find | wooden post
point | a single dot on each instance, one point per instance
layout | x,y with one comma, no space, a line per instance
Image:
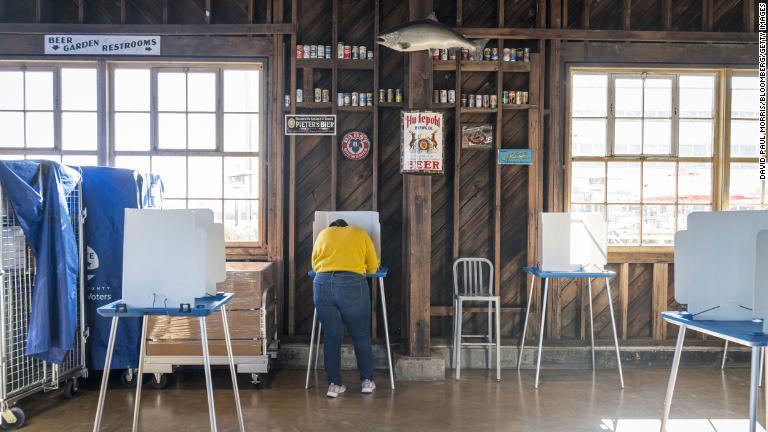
417,208
556,14
749,16
555,179
623,298
627,10
707,15
666,14
124,11
659,300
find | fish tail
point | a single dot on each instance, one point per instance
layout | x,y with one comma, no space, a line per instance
477,50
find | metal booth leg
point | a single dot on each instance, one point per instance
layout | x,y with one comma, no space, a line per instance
673,377
591,323
207,366
317,343
525,325
140,374
541,331
754,378
488,348
311,344
615,335
105,374
455,331
498,339
386,332
725,355
232,370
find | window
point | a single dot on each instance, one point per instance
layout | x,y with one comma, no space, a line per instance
642,147
745,189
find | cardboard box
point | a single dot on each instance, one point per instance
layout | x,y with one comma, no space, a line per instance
242,325
247,280
194,348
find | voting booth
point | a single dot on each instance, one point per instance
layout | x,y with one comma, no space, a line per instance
368,221
572,241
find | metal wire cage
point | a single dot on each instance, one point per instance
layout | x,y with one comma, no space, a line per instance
20,375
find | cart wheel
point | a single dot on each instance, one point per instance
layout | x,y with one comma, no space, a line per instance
159,383
71,388
20,419
128,378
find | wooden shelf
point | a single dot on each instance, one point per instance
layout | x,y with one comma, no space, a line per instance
480,66
443,65
314,63
391,104
443,106
355,108
516,66
478,110
314,105
358,64
519,107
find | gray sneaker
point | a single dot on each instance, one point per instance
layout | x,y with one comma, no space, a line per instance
368,386
335,390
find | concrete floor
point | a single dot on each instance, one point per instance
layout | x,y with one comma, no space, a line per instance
707,400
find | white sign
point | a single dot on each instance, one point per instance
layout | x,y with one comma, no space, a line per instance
101,45
422,142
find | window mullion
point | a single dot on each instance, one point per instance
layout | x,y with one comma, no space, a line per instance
675,150
610,126
58,116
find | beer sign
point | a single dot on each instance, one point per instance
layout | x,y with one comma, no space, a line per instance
422,143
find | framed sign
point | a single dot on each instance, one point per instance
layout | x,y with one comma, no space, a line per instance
477,136
310,124
515,157
421,142
355,145
101,44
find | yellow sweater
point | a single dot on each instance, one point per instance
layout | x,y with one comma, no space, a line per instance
344,249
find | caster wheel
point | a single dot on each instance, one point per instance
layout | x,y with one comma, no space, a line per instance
128,378
159,383
20,419
71,388
261,382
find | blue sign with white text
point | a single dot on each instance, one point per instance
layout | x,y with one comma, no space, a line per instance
515,157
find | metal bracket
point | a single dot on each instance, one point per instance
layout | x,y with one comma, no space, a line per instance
185,308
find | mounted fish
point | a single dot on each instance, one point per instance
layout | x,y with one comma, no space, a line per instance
428,34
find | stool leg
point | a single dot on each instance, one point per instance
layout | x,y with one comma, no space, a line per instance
672,377
754,378
232,370
311,344
458,339
541,332
760,382
386,332
317,345
615,335
591,323
455,331
208,381
725,355
525,326
105,374
498,339
140,375
490,336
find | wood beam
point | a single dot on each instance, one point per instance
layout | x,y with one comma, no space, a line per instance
2,10
556,14
748,13
208,11
586,11
666,14
555,154
673,54
627,14
153,29
564,13
659,300
165,11
124,5
707,15
541,13
623,299
80,11
251,10
609,35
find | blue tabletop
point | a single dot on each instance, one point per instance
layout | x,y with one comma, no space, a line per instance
535,271
380,273
203,306
748,333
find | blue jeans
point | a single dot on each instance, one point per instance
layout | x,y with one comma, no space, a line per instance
343,298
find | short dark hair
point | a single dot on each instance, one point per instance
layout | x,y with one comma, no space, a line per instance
339,223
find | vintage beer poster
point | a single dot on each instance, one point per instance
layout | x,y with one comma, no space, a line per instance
422,142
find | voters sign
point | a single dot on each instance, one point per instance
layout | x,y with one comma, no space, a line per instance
101,45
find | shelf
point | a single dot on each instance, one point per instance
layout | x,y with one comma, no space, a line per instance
519,107
391,104
314,105
443,65
355,108
314,63
480,66
350,64
478,110
443,106
516,66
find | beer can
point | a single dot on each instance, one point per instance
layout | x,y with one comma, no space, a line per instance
463,100
436,96
443,54
299,51
505,97
370,54
512,97
435,54
520,54
382,95
299,95
340,50
307,51
313,51
326,95
452,55
288,97
452,96
355,52
340,99
493,101
398,95
464,54
513,55
328,50
347,52
369,99
494,53
443,96
390,95
478,101
527,54
362,52
363,97
525,97
471,101
486,101
354,99
318,95
347,99
486,54
505,54
519,98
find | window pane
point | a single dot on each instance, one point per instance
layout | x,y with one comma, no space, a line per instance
132,89
696,137
11,90
695,182
241,132
172,131
131,131
589,97
658,97
241,90
624,225
80,160
172,91
588,182
745,97
38,90
657,137
624,182
40,129
78,131
201,92
697,96
628,135
78,89
745,138
241,220
659,182
684,210
205,177
213,205
658,224
173,171
39,157
588,137
202,131
241,177
138,163
587,208
629,97
12,127
745,185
